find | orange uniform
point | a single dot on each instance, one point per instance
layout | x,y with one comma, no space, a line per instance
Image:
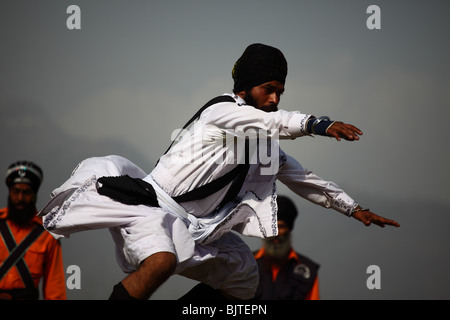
294,283
43,258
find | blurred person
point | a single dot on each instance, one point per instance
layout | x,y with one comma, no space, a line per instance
178,218
28,253
285,274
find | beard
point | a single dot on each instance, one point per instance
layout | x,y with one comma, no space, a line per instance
279,249
21,216
251,101
248,98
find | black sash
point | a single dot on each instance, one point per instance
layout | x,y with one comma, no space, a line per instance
17,251
136,191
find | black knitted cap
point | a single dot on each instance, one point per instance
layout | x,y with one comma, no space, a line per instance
259,64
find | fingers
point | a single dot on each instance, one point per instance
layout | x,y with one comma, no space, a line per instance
392,223
382,222
340,130
367,218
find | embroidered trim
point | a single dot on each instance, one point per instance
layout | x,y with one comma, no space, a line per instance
58,213
339,203
274,208
303,128
222,224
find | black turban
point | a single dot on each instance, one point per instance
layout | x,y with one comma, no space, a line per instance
287,211
259,64
24,172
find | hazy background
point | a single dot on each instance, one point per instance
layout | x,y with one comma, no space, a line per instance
139,69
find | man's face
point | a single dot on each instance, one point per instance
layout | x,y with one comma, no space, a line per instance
266,96
21,203
279,247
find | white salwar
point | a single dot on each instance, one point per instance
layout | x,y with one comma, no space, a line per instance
197,232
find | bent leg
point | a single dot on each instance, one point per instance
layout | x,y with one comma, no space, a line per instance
150,249
226,265
152,272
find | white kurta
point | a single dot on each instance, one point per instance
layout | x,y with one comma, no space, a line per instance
196,231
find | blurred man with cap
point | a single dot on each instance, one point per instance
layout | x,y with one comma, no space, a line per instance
28,253
283,273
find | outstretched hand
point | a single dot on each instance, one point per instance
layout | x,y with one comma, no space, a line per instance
340,130
368,218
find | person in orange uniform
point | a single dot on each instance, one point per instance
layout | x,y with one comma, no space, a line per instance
28,253
284,273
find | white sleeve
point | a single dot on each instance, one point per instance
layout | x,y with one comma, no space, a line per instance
230,116
313,188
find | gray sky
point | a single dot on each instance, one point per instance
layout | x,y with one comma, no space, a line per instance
137,70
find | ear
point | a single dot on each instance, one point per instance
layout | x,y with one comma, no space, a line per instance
241,94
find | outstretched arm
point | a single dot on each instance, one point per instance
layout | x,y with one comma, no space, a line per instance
325,193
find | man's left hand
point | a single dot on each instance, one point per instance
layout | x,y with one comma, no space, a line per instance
340,130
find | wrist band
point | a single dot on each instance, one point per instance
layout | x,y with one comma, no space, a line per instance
319,125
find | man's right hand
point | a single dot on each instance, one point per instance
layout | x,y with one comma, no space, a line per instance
368,218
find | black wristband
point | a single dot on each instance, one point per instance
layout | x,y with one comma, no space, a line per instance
319,126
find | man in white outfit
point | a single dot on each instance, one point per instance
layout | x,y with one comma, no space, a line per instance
219,176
